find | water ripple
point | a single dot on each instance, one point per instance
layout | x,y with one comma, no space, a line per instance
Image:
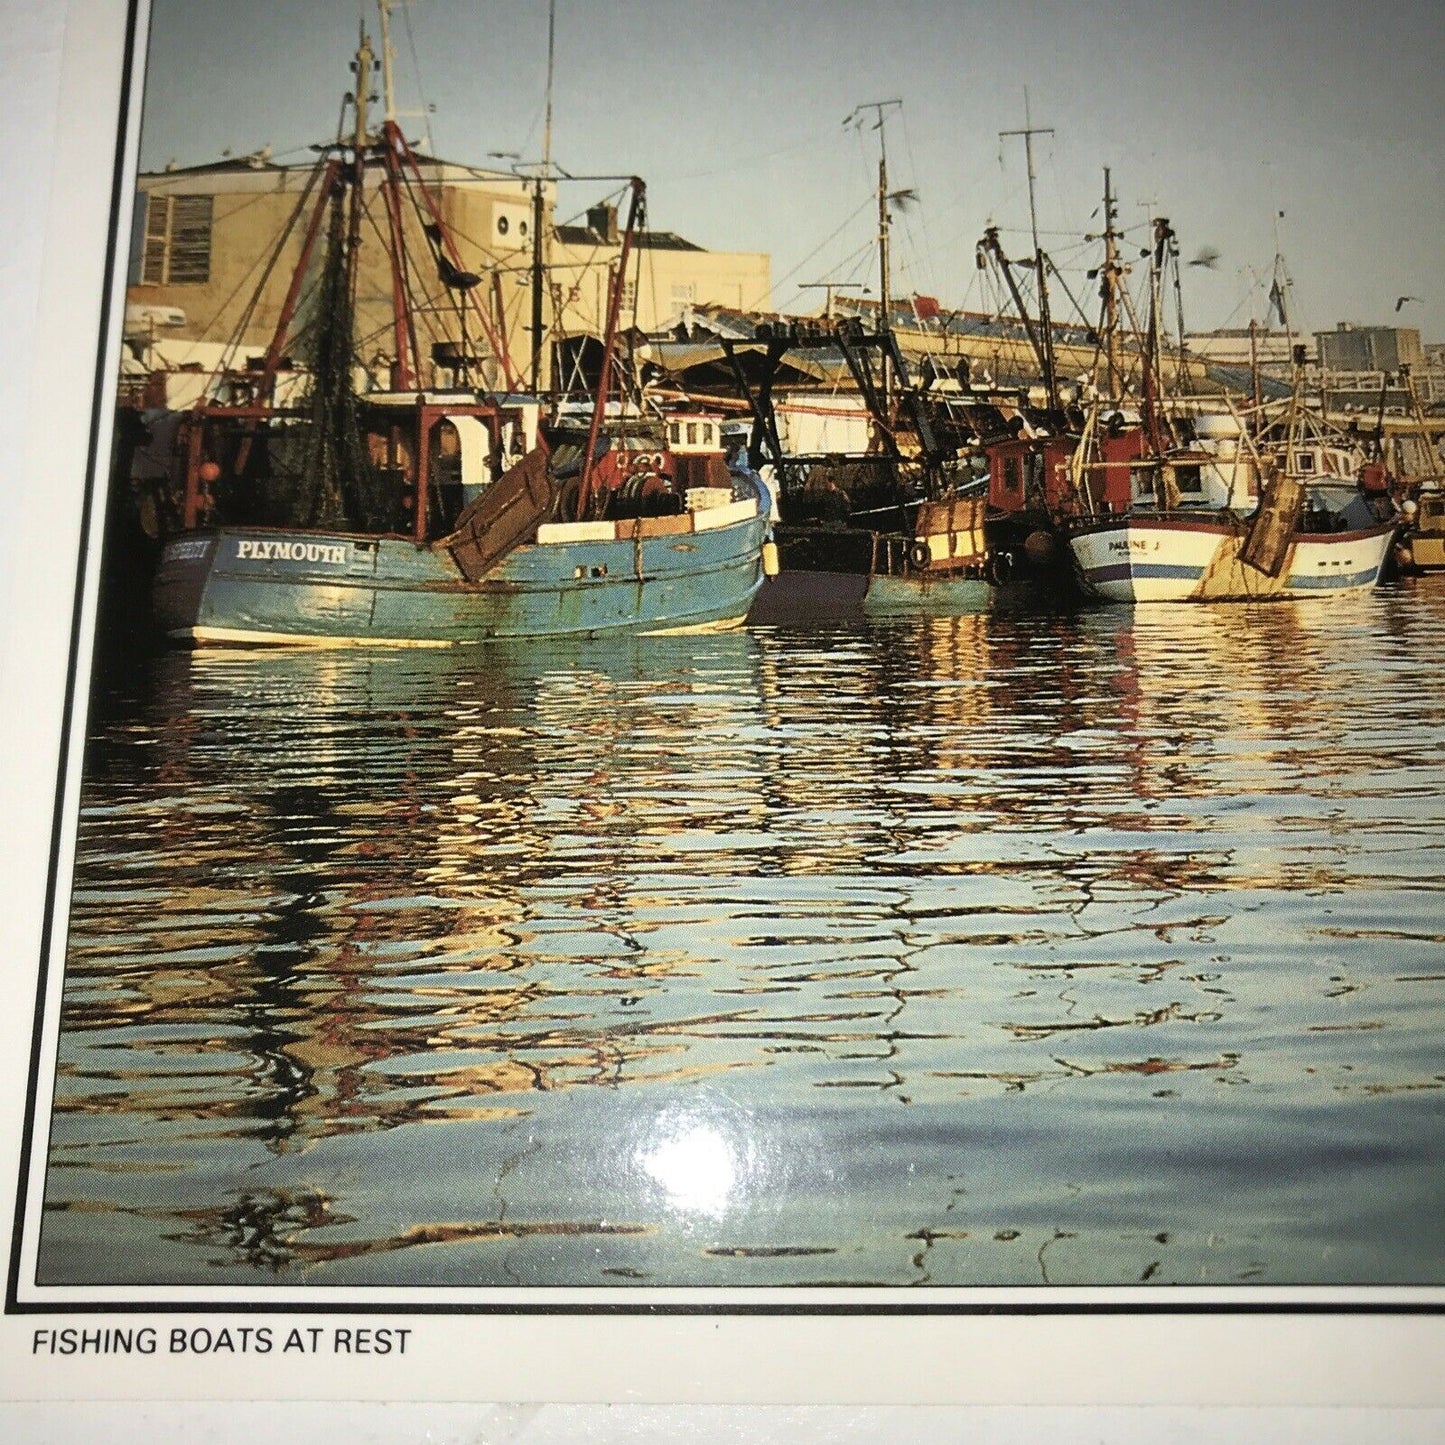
1087,948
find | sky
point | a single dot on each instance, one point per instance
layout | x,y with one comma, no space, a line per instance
1309,127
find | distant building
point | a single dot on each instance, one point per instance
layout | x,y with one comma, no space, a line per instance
1238,346
669,281
1368,348
1379,370
208,240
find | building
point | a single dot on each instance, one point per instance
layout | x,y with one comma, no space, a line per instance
214,249
1379,370
220,244
1368,348
1244,346
670,280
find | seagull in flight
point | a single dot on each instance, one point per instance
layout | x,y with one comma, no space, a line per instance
1401,300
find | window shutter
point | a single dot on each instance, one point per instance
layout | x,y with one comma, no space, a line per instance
190,250
153,264
177,240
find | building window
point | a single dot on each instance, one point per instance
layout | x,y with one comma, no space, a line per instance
177,241
629,295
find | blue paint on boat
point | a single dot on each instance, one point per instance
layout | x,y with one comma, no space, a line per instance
922,595
1120,571
652,574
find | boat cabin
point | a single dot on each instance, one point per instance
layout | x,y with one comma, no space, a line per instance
421,458
691,433
1211,470
698,447
1108,482
1030,474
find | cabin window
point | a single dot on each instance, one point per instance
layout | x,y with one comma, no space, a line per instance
692,433
1013,480
674,433
177,241
1188,481
1141,480
1305,461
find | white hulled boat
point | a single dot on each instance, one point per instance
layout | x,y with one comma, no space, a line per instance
1222,519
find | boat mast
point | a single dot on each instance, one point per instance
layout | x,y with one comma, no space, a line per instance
388,92
362,65
880,109
539,260
1279,289
1181,370
1254,384
1108,288
1029,131
1154,349
609,344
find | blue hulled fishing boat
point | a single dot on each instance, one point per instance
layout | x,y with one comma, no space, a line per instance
696,568
324,512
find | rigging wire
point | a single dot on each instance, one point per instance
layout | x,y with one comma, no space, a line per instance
746,162
827,241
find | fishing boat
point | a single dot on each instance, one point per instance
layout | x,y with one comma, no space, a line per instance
1222,518
919,548
1421,545
940,570
331,513
1186,504
504,571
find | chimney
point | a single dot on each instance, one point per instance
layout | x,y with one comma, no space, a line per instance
602,222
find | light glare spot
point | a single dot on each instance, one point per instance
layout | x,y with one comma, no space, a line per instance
696,1168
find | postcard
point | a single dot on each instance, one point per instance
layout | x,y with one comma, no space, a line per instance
666,750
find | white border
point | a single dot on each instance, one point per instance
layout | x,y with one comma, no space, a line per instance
74,286
1088,1358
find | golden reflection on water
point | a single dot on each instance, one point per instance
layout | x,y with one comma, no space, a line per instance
974,864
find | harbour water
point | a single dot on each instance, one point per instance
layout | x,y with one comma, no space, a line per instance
1090,948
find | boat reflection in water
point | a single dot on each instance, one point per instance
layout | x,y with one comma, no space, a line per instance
1079,949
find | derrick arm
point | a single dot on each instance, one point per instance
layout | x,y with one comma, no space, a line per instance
609,344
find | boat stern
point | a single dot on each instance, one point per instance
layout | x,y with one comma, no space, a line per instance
180,582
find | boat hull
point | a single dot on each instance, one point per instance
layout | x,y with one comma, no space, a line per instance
247,586
1427,551
1167,559
921,595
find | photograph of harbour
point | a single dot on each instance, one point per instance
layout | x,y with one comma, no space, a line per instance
747,654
